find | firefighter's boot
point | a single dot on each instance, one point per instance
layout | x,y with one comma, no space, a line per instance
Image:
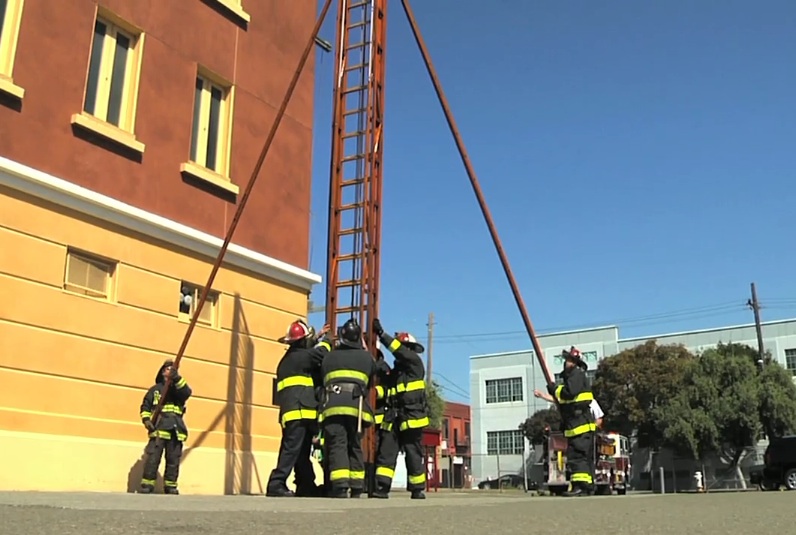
381,493
356,493
279,492
578,489
171,490
418,495
146,489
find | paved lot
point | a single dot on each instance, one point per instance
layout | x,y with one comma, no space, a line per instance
443,513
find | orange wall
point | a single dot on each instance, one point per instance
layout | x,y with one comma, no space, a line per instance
74,368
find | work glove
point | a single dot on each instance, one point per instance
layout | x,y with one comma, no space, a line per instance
175,375
551,389
149,425
377,328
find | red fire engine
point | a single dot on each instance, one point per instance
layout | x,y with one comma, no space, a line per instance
611,467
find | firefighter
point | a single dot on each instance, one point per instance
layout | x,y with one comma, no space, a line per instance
347,374
298,409
408,399
574,397
168,432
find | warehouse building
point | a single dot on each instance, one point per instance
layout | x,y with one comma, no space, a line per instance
502,384
126,142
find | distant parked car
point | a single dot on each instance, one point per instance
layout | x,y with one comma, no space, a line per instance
780,466
502,482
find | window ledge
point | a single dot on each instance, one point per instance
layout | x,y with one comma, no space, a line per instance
202,173
236,9
8,87
108,131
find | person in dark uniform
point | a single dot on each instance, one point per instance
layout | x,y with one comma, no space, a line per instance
408,398
347,374
574,398
168,432
298,409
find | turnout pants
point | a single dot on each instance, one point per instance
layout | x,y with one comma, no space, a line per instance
580,459
390,443
154,450
343,454
294,454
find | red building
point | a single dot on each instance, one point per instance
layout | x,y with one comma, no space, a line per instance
455,466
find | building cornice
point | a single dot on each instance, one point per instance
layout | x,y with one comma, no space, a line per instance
69,195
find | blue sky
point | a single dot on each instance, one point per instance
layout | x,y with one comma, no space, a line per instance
637,157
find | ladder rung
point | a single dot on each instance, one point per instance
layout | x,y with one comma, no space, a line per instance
355,89
354,158
357,25
357,45
349,310
358,67
352,206
352,182
354,134
349,257
348,283
350,231
348,113
358,4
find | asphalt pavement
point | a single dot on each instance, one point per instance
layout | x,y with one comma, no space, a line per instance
40,513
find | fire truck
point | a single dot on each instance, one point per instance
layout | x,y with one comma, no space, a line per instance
611,467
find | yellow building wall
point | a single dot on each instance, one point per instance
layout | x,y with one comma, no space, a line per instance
73,369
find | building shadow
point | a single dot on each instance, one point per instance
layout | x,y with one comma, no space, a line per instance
135,474
241,474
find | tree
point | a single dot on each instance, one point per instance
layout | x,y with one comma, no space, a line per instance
436,405
777,403
534,427
633,386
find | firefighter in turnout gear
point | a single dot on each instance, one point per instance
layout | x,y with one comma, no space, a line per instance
574,398
168,432
347,374
298,409
408,415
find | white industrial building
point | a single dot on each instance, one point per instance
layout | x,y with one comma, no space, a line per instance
502,384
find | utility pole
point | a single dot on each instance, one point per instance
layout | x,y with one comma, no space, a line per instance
754,304
430,348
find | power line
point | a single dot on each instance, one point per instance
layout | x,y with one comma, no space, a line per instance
653,319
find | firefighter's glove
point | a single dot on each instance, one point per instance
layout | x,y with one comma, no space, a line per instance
377,328
551,389
149,425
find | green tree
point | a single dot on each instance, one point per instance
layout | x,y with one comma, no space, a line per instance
534,427
634,385
777,403
436,405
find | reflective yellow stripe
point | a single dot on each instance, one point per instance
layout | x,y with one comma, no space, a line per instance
181,383
581,477
340,473
325,344
148,482
379,418
346,374
418,479
585,428
168,483
295,380
146,414
387,426
395,344
580,398
356,474
379,392
346,411
415,424
299,414
384,471
392,392
411,386
166,435
171,408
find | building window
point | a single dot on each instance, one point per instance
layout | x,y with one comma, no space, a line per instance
790,360
445,429
112,85
211,126
504,390
114,67
505,442
467,431
10,22
236,8
88,275
189,298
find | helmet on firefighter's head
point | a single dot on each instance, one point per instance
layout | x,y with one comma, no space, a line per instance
573,356
410,342
350,333
298,330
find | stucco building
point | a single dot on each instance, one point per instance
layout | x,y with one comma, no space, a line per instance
128,131
502,384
